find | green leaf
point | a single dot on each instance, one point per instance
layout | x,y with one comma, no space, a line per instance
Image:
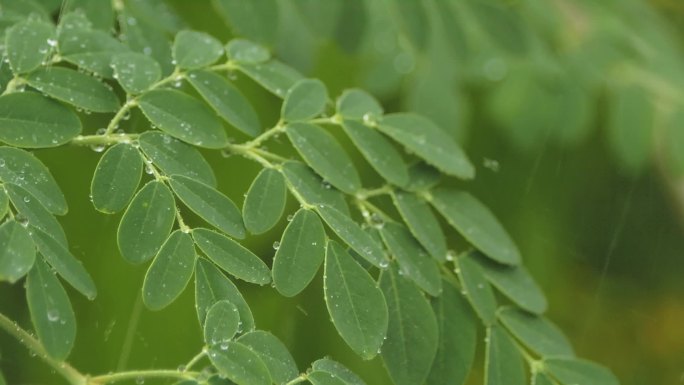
146,223
503,362
25,170
75,88
51,312
255,20
192,49
457,338
210,204
325,155
273,75
265,201
412,335
355,303
247,52
30,120
64,263
223,321
536,332
135,72
28,44
116,178
476,223
541,379
170,271
358,104
413,260
2,379
227,100
477,289
232,257
17,251
174,157
300,254
304,100
378,151
340,371
574,371
413,21
4,204
323,378
101,14
212,286
353,235
311,188
31,210
422,137
240,364
273,353
514,282
422,177
630,126
184,117
159,14
141,37
422,222
89,49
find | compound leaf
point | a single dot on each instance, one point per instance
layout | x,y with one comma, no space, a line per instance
536,332
304,100
223,321
73,87
17,251
273,353
310,187
357,104
273,75
571,371
340,371
35,213
503,362
477,289
136,72
192,49
246,52
116,178
89,49
240,364
422,223
28,44
265,201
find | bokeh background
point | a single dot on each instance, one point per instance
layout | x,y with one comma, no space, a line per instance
572,110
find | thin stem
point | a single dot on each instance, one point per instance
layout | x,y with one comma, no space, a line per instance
142,374
65,370
195,360
130,332
365,194
256,142
301,378
94,140
114,123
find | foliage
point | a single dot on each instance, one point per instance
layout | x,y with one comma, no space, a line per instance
392,285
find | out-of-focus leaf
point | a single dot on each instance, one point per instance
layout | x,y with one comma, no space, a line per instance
536,332
101,14
413,21
116,178
355,103
630,127
255,20
246,52
273,75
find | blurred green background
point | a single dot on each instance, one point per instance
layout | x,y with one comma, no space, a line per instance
571,109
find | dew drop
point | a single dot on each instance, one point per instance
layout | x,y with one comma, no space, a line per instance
290,217
276,245
53,315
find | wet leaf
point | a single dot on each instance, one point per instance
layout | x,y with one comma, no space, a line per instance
17,251
192,49
422,222
273,353
136,72
223,321
503,362
357,104
73,87
116,178
28,44
304,100
273,75
265,201
477,289
311,188
240,364
170,271
247,52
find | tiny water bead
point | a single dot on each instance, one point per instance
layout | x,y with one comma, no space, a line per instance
53,315
276,245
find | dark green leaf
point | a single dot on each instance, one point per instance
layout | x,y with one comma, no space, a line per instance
28,44
574,371
273,353
31,210
340,371
75,88
355,303
304,100
30,120
17,251
246,52
503,362
265,201
273,75
223,321
227,101
477,289
232,257
311,188
422,222
135,72
476,223
51,311
300,253
536,332
116,178
4,204
358,104
422,177
210,204
184,117
89,49
192,49
240,364
412,335
146,223
255,20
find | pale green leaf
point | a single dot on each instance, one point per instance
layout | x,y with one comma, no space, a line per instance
184,117
273,75
476,223
422,177
422,137
74,87
536,332
413,260
574,371
135,72
146,223
340,371
223,321
300,254
101,14
503,362
4,204
325,155
227,100
358,104
323,378
25,170
413,21
304,100
273,353
239,364
17,251
422,222
64,263
355,303
412,335
457,338
116,178
192,49
159,14
265,201
353,235
232,257
30,120
27,44
30,209
212,286
174,157
210,204
311,188
477,289
255,20
141,37
247,52
170,271
89,49
541,379
51,311
378,151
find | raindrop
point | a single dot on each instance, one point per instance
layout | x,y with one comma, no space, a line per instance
22,220
97,147
290,217
27,199
276,245
53,315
